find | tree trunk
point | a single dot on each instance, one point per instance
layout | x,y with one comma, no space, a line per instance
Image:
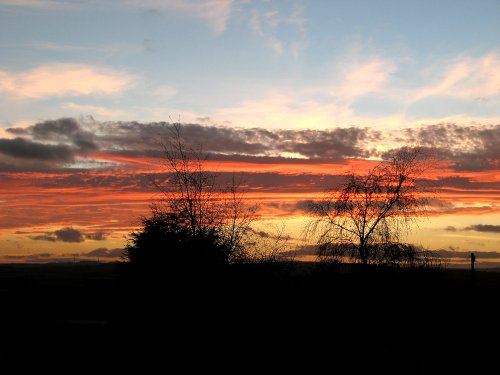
363,255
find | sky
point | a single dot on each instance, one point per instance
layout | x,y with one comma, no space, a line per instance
290,95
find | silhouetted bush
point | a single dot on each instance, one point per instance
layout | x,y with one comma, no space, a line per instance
165,243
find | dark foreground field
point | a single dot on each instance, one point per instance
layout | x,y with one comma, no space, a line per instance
97,318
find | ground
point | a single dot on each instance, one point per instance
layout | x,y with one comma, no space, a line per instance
71,318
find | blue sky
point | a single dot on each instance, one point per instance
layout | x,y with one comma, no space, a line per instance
278,64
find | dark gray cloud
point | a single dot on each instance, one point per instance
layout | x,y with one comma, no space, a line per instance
67,234
451,184
27,149
45,237
96,236
64,130
476,227
55,129
10,164
18,131
331,144
147,137
304,205
470,148
484,228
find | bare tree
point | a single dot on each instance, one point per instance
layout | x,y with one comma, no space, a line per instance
270,246
197,201
365,218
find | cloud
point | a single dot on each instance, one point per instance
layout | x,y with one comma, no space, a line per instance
63,80
464,77
372,90
45,237
331,144
363,76
292,109
64,129
26,149
468,148
103,252
471,147
330,102
67,234
281,31
215,13
133,136
96,236
484,228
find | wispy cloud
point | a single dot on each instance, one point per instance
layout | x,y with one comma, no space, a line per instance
363,77
60,79
282,32
463,77
215,13
372,90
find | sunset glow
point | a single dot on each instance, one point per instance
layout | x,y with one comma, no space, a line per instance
286,96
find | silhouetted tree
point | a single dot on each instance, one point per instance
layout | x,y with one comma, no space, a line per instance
165,240
198,221
365,218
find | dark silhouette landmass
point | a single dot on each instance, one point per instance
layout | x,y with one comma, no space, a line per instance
310,317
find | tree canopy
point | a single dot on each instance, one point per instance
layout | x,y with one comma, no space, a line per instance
365,218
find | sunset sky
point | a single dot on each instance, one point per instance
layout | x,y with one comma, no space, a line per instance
289,95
